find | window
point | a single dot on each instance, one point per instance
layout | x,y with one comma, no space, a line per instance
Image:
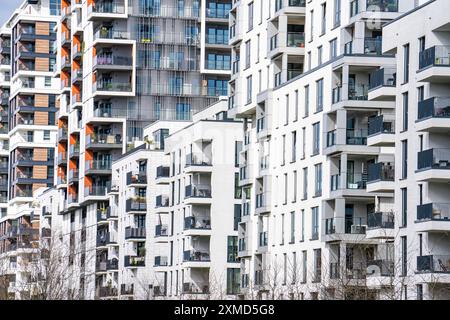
237,216
258,47
283,151
405,110
237,189
294,267
333,48
232,249
318,180
48,81
404,159
420,93
294,146
292,227
311,26
337,13
421,44
282,229
294,191
286,111
302,230
319,86
247,54
284,269
324,17
285,188
46,135
315,223
316,138
309,60
250,16
306,101
233,280
419,291
303,142
319,55
249,89
406,63
237,151
296,106
305,183
304,265
317,265
404,192
404,256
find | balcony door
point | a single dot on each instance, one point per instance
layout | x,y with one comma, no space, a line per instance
349,214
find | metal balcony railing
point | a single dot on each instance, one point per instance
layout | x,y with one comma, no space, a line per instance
436,107
383,78
383,220
197,159
377,125
195,255
198,191
433,159
135,233
433,211
380,172
197,223
161,230
345,225
434,263
434,56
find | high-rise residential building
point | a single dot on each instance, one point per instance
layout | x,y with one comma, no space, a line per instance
123,65
170,231
5,78
28,118
318,162
324,175
420,41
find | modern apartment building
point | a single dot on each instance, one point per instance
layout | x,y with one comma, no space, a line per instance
420,41
318,162
123,65
165,235
28,122
5,78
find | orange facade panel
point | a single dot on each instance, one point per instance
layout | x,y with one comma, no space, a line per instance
40,172
41,100
40,154
41,118
42,46
43,28
42,64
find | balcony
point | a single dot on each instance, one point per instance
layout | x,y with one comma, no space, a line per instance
74,150
433,115
433,217
198,162
112,62
196,256
127,289
382,85
73,175
433,264
380,225
136,206
349,141
112,265
373,46
191,288
161,261
162,201
134,261
263,203
161,230
198,191
162,175
381,133
99,10
197,223
136,180
382,5
95,191
104,141
98,167
105,33
433,165
345,229
434,65
62,134
380,177
137,234
108,88
107,292
348,185
296,39
100,266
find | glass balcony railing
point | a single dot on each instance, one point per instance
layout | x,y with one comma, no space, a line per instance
112,60
198,159
384,220
296,39
358,92
194,255
110,33
435,56
198,191
383,78
356,136
382,5
110,86
433,159
434,263
433,211
373,46
161,230
109,7
434,108
201,222
345,225
380,172
377,126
